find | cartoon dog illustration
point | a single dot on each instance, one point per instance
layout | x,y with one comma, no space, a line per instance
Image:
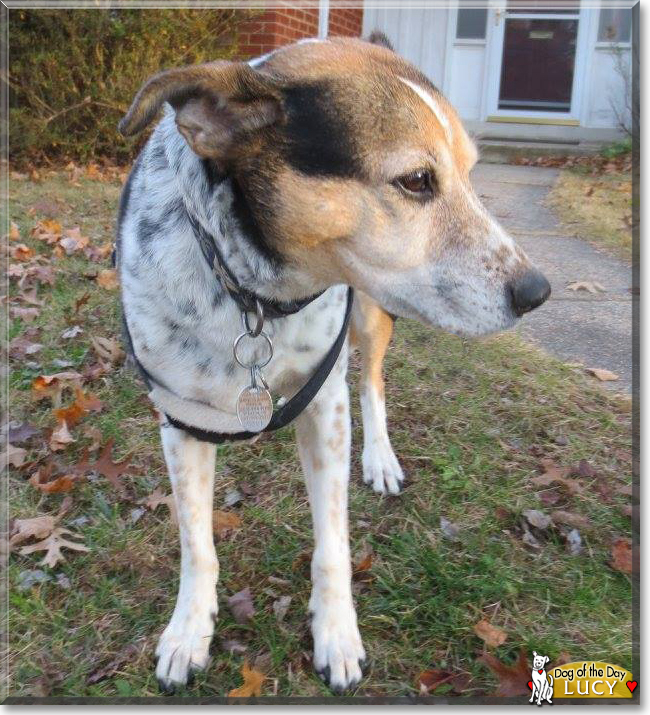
542,688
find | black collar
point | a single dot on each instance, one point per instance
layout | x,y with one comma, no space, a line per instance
245,299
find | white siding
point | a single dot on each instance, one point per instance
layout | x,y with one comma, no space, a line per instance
608,87
419,35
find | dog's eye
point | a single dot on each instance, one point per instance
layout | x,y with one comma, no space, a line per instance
418,183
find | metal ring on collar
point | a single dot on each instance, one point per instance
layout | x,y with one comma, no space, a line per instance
259,311
248,366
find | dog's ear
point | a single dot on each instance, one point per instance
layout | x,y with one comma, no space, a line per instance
377,37
534,654
216,104
546,659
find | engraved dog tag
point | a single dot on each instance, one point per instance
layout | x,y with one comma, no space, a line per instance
254,408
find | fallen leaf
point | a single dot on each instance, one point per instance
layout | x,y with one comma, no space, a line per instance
225,521
537,518
128,653
365,564
157,498
27,315
63,581
232,646
602,375
232,497
95,435
53,385
512,679
60,437
38,527
573,542
589,286
14,233
30,296
72,332
107,279
73,241
113,471
42,480
449,531
493,636
280,607
622,555
82,404
108,349
253,681
570,519
14,456
48,230
21,252
428,680
27,579
80,301
555,474
21,432
241,606
53,546
584,469
20,347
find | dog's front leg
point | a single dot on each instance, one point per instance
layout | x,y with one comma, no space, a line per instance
183,647
323,433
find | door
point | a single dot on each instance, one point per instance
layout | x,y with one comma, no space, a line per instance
534,60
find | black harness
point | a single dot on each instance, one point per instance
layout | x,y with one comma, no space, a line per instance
249,302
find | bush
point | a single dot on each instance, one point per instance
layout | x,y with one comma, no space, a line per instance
73,73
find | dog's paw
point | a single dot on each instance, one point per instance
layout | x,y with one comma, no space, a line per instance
381,469
183,649
339,655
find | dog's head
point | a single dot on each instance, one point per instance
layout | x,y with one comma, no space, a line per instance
353,168
539,661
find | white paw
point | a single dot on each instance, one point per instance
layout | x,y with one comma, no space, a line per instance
184,647
381,468
339,654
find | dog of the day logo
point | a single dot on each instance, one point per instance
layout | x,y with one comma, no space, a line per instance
587,679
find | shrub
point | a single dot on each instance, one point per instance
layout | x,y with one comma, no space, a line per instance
73,73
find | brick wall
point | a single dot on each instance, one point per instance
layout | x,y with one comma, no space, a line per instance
274,28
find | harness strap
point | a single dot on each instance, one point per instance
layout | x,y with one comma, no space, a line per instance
281,416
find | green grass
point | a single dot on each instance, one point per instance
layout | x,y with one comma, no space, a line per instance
470,422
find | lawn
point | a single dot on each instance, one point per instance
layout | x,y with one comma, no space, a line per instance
595,202
476,425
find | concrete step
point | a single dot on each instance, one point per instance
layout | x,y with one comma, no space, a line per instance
495,151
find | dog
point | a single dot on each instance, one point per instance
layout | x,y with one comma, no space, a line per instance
323,165
542,688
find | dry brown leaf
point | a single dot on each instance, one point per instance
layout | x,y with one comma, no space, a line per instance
241,606
428,680
53,385
38,527
513,679
577,521
622,555
107,279
27,315
95,435
48,230
253,681
82,403
53,546
80,301
602,375
156,498
225,521
41,480
14,456
108,349
14,233
22,253
556,474
73,241
60,437
113,471
493,636
22,346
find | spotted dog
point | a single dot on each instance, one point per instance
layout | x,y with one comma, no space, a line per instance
323,165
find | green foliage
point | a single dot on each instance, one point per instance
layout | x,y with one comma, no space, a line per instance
73,73
621,148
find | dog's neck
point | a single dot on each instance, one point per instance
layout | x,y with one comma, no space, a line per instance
210,199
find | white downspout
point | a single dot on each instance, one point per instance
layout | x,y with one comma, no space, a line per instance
323,18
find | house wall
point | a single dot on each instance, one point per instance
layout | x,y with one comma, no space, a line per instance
461,68
271,29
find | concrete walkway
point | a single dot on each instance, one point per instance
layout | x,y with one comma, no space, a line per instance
595,330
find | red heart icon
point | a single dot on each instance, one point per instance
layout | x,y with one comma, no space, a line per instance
541,671
530,684
631,684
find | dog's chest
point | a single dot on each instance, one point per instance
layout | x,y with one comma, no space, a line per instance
182,323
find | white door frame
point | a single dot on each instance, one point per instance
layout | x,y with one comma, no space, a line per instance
495,39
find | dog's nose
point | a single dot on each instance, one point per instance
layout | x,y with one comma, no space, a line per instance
529,291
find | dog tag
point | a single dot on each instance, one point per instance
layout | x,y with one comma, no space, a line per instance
254,408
